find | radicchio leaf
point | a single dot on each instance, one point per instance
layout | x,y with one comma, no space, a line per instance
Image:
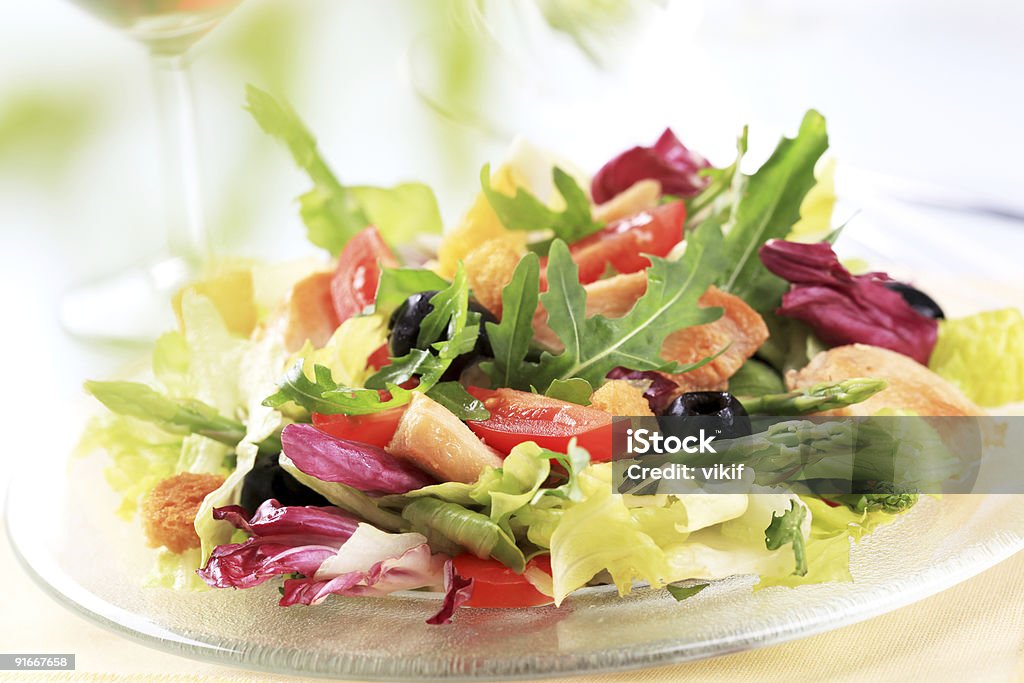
284,540
668,161
457,590
846,309
364,467
659,392
371,563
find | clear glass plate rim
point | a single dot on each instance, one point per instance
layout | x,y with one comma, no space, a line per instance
79,600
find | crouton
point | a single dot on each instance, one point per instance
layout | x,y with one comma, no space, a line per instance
912,386
620,397
640,196
489,268
169,511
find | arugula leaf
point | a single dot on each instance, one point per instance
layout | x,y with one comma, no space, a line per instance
787,528
768,207
332,212
523,211
181,416
593,346
723,180
680,593
573,390
324,395
455,398
398,284
510,339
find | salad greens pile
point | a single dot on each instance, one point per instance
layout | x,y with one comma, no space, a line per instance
227,395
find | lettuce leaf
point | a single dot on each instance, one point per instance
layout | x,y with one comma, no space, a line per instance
332,212
983,354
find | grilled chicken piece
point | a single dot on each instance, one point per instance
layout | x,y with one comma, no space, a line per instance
740,328
430,437
309,312
912,386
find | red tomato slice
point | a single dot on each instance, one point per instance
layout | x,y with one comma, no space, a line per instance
375,429
354,285
622,243
495,585
519,416
379,358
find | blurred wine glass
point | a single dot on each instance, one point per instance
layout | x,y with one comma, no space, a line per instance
133,305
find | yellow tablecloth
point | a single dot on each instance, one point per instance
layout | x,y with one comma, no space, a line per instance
972,632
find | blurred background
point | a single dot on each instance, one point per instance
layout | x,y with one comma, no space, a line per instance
922,99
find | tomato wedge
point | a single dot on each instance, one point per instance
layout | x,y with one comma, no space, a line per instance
495,585
622,243
375,429
354,285
519,416
379,358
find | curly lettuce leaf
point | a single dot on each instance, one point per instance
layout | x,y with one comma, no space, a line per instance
983,354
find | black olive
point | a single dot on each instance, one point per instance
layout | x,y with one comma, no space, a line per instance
406,320
405,323
918,300
725,415
268,480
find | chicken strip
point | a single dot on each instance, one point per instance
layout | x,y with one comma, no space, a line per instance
740,329
912,387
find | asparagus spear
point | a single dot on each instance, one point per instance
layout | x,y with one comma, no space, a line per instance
824,396
173,415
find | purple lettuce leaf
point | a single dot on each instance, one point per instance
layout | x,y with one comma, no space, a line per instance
457,590
284,540
362,466
659,393
668,161
371,563
842,308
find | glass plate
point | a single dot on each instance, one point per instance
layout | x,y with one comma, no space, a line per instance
92,562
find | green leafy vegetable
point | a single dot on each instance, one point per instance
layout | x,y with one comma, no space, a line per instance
523,211
768,207
724,181
972,351
788,528
332,212
681,593
755,378
323,395
510,338
573,390
593,346
466,528
398,284
887,498
455,398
